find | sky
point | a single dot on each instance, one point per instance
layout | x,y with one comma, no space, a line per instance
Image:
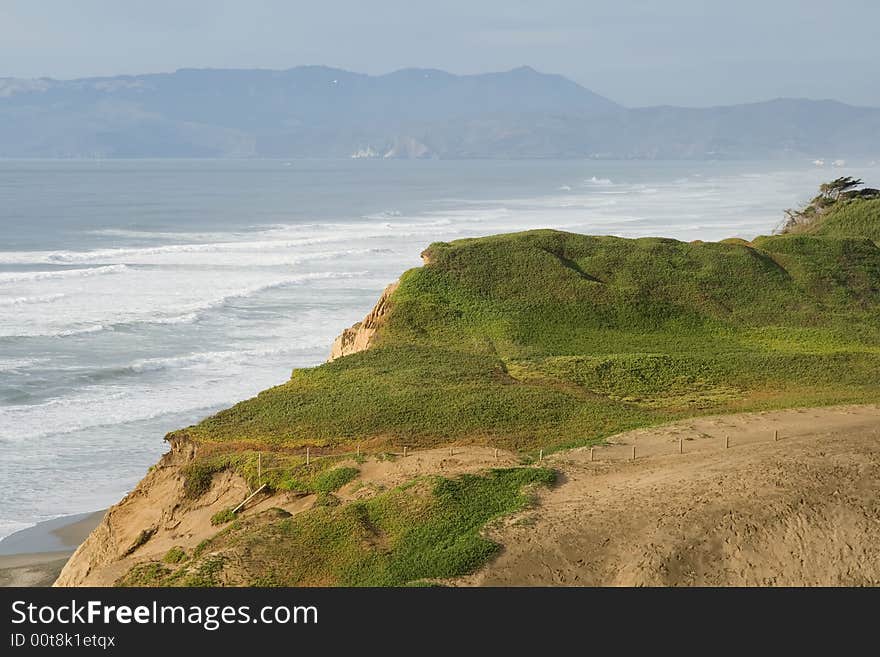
638,53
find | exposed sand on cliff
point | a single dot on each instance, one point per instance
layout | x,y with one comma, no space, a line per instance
159,505
801,511
446,461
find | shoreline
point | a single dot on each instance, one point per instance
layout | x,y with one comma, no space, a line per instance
35,555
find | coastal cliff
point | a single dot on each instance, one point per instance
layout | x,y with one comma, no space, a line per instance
150,520
524,343
160,517
359,337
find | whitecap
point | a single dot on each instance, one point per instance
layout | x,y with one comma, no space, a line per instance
13,364
42,298
186,314
29,276
94,328
209,358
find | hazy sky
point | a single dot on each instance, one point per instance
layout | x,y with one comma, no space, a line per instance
683,52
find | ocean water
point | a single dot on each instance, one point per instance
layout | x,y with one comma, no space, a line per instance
137,297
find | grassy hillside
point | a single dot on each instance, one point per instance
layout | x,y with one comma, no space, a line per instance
536,340
844,207
857,217
426,529
549,339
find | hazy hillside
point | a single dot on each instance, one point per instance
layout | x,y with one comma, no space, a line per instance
323,112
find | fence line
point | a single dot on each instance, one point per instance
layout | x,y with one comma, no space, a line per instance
596,455
596,450
358,454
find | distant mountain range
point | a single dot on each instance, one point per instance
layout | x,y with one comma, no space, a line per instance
315,111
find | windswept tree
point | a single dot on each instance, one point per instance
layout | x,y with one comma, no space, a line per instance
866,193
836,188
842,189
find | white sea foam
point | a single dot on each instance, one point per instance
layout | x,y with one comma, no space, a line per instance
66,333
205,381
172,236
243,253
12,364
83,315
8,527
30,276
225,358
40,298
94,407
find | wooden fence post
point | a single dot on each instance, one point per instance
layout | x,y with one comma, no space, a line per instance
307,456
259,468
775,435
592,456
681,445
634,453
541,455
726,442
404,451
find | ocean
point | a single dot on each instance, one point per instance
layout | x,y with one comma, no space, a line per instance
137,297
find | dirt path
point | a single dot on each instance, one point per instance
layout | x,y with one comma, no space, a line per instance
801,511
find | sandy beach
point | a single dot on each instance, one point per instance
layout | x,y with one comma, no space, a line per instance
34,556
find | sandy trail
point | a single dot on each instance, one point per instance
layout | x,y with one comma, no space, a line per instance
801,511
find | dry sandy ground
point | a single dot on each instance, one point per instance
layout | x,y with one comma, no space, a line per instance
801,511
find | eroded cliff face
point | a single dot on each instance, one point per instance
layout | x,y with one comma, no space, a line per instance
156,516
359,337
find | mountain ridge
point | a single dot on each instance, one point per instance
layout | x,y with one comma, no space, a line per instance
321,111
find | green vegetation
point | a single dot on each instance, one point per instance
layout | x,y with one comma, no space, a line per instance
279,471
851,218
427,529
549,339
843,208
332,480
205,573
198,477
144,574
536,340
174,555
222,517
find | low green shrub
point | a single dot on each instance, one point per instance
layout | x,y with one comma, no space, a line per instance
222,517
174,555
